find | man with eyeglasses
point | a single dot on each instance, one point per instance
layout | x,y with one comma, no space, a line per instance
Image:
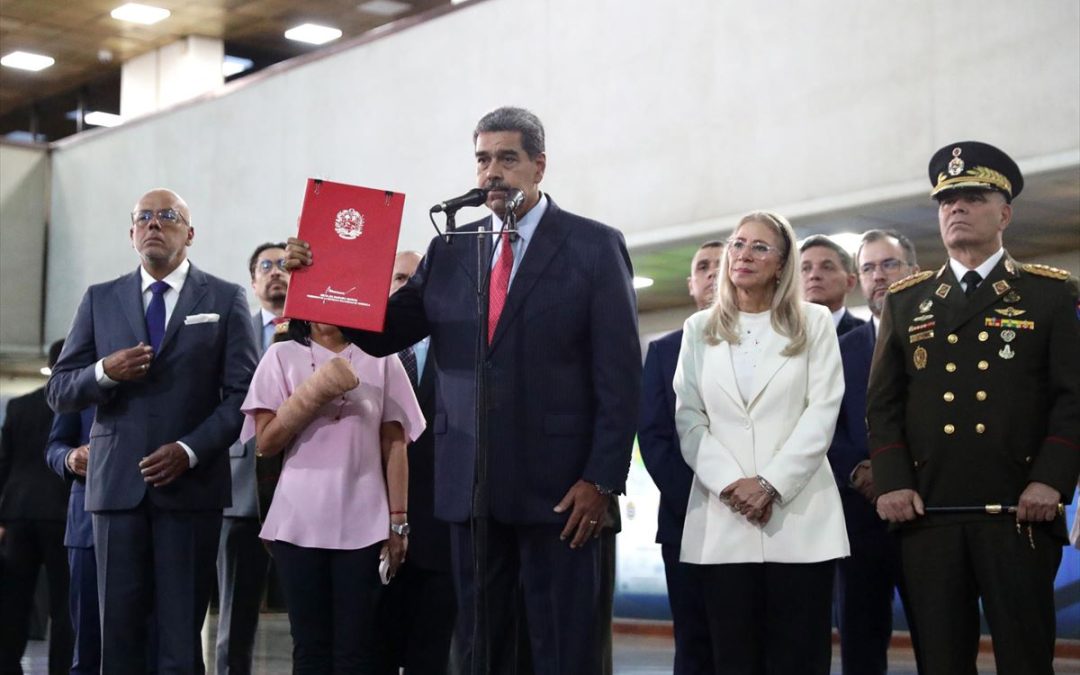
828,275
166,354
865,580
242,562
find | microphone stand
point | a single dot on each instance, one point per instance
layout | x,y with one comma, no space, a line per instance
481,503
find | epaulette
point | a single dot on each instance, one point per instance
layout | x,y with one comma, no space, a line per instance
908,282
1046,271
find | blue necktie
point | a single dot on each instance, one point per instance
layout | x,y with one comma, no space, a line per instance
155,314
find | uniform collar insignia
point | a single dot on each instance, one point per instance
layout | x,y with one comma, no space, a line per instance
1001,287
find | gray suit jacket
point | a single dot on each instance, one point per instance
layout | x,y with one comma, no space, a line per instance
245,498
192,393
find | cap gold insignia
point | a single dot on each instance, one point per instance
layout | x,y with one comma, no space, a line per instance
1008,335
1011,311
1012,297
943,290
1006,352
925,306
919,357
956,165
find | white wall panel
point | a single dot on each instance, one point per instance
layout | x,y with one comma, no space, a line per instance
663,119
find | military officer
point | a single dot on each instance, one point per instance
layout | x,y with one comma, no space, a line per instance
974,399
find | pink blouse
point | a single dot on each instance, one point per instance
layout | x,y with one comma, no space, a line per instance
332,491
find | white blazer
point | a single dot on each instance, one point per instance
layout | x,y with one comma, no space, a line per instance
782,435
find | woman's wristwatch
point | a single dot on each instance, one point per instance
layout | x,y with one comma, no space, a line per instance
400,529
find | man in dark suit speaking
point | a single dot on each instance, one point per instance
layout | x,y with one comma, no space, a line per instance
563,379
166,353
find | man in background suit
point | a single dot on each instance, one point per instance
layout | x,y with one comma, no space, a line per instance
242,561
32,505
563,380
418,608
166,353
828,275
865,581
67,454
659,443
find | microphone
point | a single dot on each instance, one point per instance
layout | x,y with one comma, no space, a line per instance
474,197
514,200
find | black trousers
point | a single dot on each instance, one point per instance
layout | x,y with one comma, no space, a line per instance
241,566
865,584
416,621
693,647
85,617
948,568
561,593
332,597
769,618
154,564
27,546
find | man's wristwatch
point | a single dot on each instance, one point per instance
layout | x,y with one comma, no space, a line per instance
400,529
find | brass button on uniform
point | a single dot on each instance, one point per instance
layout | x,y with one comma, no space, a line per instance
951,367
948,397
983,365
949,429
1027,459
984,336
953,339
980,395
980,428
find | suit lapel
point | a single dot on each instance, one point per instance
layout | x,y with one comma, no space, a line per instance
725,372
257,326
547,239
190,295
129,299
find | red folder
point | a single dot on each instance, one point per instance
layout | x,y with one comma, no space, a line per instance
353,233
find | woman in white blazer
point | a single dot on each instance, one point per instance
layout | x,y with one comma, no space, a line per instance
758,388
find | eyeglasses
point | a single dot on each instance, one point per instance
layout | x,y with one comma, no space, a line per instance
265,266
758,249
888,265
163,216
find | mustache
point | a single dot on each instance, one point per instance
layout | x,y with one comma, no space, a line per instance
497,186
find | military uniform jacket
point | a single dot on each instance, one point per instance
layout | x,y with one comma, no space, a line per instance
971,399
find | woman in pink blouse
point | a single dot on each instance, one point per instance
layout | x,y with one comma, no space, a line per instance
343,419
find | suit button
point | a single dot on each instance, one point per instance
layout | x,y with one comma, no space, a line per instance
953,339
746,423
983,365
948,397
949,429
1027,459
980,395
984,336
916,464
980,428
950,367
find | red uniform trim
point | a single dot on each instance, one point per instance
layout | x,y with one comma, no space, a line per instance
878,451
1063,441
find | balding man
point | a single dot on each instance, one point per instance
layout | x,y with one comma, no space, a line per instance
165,353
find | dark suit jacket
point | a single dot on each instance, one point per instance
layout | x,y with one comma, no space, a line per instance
28,490
848,322
70,430
192,392
658,439
245,495
563,369
429,541
849,446
1008,410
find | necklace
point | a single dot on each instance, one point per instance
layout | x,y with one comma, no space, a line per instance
311,352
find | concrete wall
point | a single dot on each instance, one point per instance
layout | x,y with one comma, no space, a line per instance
664,120
24,199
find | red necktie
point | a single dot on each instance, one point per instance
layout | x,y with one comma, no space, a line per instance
500,283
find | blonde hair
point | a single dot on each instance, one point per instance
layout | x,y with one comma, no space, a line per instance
787,311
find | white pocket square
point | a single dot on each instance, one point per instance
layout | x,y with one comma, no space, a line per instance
200,318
